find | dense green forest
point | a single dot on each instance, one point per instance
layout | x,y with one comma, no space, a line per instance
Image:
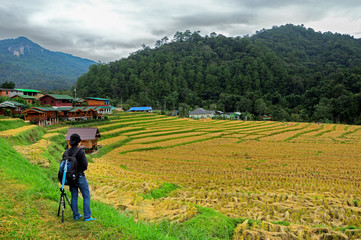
290,72
30,66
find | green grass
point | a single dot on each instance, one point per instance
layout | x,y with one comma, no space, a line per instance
209,224
173,138
283,131
27,137
120,132
6,125
172,146
105,149
327,131
162,191
157,134
283,223
301,133
349,227
130,124
349,132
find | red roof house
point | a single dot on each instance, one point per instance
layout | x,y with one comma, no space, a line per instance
55,100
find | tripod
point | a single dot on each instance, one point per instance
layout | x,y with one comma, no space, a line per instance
63,195
62,203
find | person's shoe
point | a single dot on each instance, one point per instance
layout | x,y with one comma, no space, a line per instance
89,219
78,217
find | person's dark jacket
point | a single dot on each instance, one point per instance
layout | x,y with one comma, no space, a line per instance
81,159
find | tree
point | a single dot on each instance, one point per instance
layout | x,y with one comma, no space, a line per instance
183,110
260,107
285,71
323,110
8,85
229,101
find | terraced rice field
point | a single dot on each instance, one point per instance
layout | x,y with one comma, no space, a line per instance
13,132
291,180
284,180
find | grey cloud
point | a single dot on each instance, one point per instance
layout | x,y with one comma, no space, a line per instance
158,32
213,19
158,18
10,20
258,4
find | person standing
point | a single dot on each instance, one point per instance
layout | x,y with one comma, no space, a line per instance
81,183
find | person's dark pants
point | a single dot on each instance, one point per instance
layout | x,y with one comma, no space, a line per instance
84,189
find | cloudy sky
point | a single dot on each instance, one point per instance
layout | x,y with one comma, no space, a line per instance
107,30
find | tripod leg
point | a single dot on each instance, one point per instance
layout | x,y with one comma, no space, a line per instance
67,199
62,208
60,200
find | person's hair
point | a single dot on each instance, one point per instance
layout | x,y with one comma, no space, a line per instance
74,140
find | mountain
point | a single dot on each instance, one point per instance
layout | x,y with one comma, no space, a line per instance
291,72
31,66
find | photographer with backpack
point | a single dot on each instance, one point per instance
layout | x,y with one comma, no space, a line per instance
80,181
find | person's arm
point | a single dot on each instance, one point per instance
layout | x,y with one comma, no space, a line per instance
83,160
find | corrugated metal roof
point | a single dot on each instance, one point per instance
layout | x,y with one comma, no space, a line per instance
84,133
79,100
96,98
47,109
140,109
25,97
33,110
12,104
27,90
59,97
200,111
75,109
9,89
88,108
64,108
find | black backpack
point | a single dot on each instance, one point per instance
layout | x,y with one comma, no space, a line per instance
71,163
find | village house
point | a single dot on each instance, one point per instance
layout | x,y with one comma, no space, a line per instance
76,113
201,113
101,110
30,92
91,113
42,116
80,102
64,111
93,101
4,92
62,108
55,100
28,99
79,113
11,108
89,138
102,104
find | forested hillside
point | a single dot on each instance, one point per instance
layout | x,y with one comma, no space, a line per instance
290,72
30,66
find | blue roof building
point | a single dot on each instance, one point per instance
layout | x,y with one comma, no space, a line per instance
140,109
